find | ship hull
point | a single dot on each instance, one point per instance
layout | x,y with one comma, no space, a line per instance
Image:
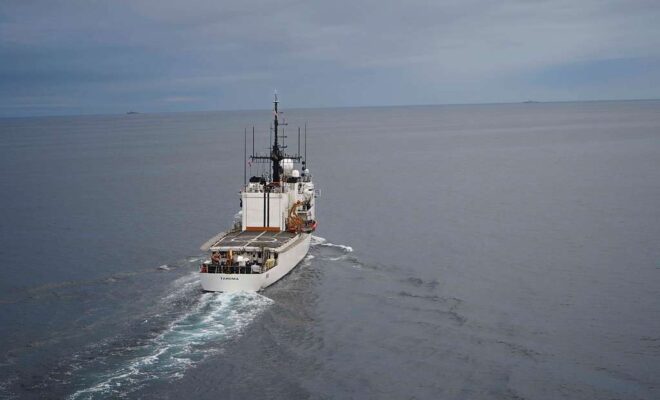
288,259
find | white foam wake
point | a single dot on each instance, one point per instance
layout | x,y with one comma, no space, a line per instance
319,241
183,286
182,344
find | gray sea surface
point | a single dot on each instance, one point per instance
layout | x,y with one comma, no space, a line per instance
464,252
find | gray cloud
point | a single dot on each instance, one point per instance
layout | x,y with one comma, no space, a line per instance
109,56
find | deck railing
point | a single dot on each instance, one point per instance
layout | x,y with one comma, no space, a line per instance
231,269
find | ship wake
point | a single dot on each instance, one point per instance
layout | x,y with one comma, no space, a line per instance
187,340
320,241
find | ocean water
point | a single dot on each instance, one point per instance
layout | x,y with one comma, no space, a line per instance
464,252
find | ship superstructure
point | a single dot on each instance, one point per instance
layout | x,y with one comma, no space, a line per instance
276,222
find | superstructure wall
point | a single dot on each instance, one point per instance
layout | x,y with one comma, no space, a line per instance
264,210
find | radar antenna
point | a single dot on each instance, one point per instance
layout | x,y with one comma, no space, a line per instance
276,154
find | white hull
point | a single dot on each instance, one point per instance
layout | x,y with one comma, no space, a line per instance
288,259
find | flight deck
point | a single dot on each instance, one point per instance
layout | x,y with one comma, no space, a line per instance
266,239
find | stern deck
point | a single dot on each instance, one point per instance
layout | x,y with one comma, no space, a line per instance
265,239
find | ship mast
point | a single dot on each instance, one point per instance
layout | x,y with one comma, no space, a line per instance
276,154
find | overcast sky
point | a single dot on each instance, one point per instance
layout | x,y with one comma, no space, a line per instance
82,57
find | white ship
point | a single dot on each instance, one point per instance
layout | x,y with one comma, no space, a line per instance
275,227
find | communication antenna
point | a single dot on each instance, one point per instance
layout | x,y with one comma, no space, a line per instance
245,157
305,162
275,153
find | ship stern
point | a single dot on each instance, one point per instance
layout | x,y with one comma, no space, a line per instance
213,282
